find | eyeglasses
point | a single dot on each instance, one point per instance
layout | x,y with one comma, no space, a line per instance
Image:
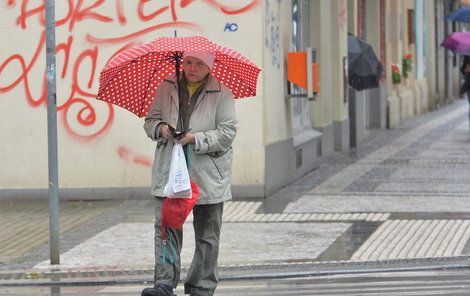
197,65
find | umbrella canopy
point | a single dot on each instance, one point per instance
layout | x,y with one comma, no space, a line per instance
364,68
130,79
458,42
460,15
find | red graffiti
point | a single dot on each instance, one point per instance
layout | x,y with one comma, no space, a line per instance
139,159
86,115
25,14
233,10
225,8
120,13
76,12
81,13
79,55
24,74
175,22
132,36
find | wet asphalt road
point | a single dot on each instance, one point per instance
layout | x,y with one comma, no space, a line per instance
422,283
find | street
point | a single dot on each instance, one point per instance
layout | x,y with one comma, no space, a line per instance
436,282
391,217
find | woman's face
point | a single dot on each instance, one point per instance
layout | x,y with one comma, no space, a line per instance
195,70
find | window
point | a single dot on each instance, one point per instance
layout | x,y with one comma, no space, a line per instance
301,106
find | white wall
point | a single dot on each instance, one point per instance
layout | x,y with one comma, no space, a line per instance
329,35
321,39
277,35
339,52
102,145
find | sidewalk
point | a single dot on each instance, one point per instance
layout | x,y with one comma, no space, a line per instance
401,200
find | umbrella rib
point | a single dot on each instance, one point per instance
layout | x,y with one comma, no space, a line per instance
112,79
134,60
240,79
167,58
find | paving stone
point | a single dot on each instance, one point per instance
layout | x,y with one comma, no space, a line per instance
240,243
409,185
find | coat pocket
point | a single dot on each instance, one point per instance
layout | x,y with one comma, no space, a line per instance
217,167
222,162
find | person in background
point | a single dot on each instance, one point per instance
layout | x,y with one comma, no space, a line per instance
465,88
204,109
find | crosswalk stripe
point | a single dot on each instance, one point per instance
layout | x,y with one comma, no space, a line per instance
241,211
401,239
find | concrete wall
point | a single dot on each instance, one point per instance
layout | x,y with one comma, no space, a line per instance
358,116
406,97
100,145
321,39
377,106
277,42
417,93
279,148
440,55
291,154
432,55
298,153
103,149
339,59
341,134
331,41
393,110
424,93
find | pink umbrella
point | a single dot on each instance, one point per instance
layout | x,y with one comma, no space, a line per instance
458,42
130,79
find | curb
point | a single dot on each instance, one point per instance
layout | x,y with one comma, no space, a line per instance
126,275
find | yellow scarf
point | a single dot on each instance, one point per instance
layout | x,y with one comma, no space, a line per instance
192,87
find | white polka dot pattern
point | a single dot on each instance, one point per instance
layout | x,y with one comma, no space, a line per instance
131,78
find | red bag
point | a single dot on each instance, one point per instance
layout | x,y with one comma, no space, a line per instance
176,210
174,213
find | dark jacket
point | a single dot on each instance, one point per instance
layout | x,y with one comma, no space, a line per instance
466,75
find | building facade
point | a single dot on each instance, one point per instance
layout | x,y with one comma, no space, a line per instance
283,133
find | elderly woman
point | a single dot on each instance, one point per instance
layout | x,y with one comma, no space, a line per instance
204,109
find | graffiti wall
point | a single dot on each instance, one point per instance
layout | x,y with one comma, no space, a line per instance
100,145
277,43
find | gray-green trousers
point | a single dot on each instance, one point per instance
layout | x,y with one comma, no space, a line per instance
202,278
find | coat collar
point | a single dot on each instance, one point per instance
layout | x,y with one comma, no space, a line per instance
212,86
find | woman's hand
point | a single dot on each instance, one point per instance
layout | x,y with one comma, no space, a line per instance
188,138
165,132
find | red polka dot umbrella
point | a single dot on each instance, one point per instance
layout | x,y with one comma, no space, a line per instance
131,78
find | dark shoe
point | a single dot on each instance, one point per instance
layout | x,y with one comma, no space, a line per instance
158,290
149,292
189,289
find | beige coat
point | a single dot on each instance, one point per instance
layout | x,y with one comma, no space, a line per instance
213,122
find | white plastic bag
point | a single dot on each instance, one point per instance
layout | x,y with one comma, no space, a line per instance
178,185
